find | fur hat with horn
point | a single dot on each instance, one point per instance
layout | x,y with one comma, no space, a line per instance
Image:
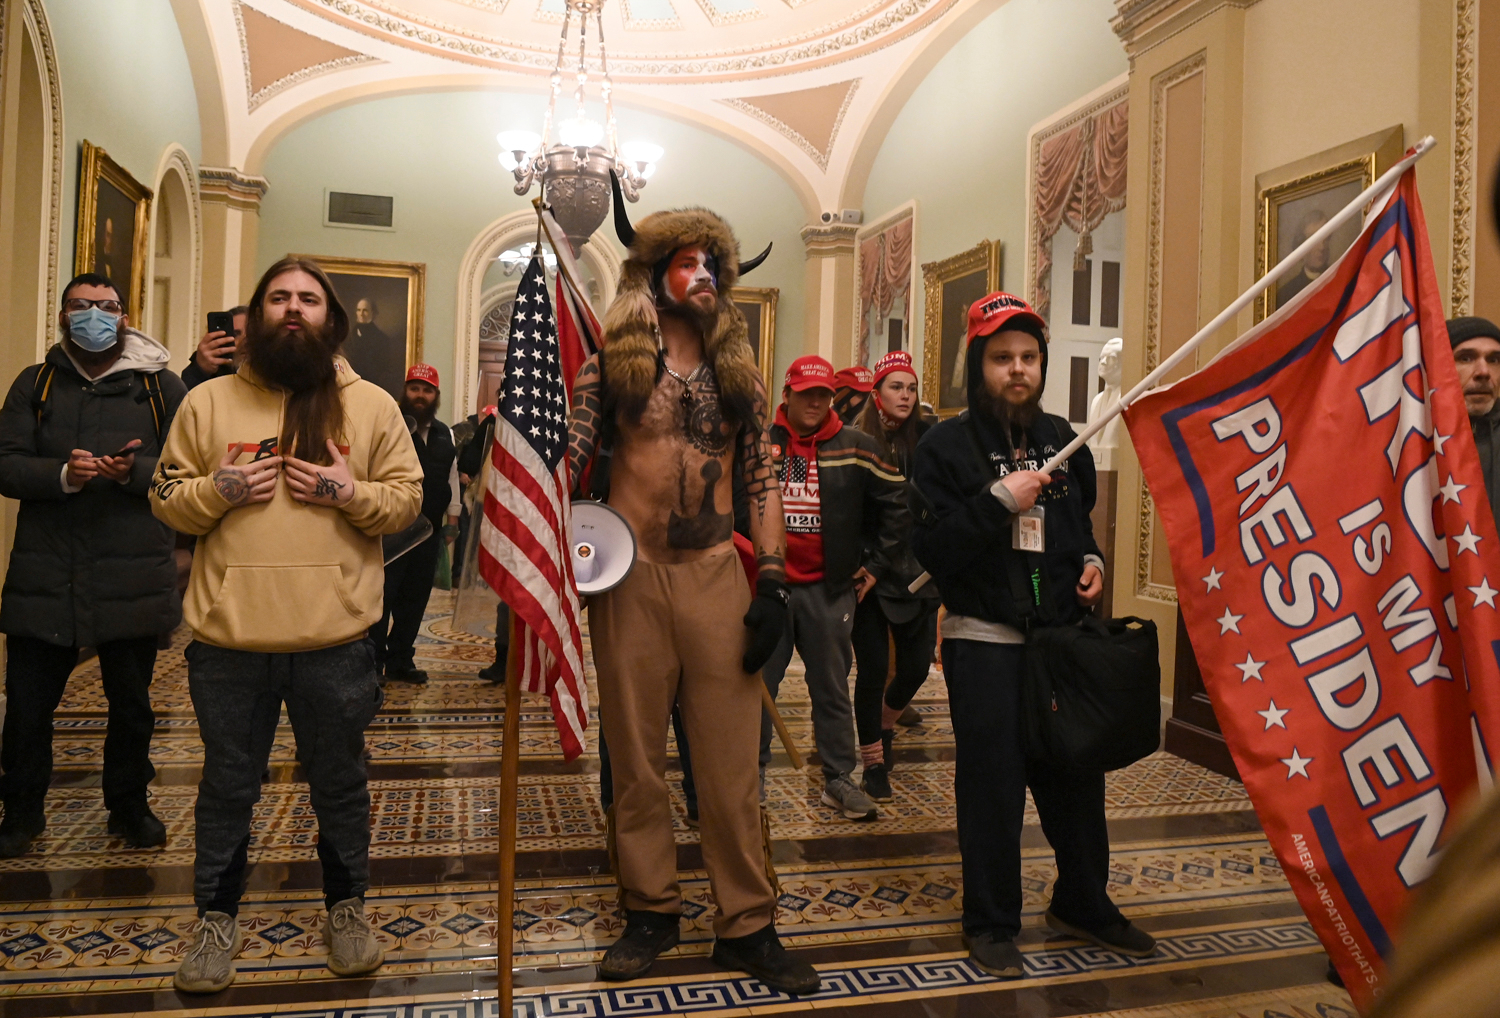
630,324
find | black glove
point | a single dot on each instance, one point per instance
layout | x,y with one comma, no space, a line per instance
767,621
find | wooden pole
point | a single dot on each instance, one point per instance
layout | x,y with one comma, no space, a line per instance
509,764
781,732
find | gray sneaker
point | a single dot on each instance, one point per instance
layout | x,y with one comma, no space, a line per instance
208,966
352,947
842,795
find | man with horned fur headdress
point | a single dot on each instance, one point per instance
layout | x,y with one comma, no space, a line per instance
677,395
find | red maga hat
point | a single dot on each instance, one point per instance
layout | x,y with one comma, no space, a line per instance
896,360
810,372
859,378
999,309
423,373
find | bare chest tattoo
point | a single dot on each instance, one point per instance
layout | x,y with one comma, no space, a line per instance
709,527
697,413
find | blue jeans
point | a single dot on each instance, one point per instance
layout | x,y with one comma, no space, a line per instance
331,696
991,776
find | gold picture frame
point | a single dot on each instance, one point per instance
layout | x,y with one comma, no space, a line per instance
116,243
758,305
1292,200
381,349
949,287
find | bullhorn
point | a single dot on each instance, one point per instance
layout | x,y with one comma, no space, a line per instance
626,232
602,545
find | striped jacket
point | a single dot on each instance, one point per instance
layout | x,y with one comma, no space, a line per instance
859,493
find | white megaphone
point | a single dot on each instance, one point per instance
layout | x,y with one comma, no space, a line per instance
603,547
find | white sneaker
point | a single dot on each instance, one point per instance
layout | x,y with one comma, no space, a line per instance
842,795
208,967
353,949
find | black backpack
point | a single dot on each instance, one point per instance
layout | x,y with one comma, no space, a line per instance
1091,695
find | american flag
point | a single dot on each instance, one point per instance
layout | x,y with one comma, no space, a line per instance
523,537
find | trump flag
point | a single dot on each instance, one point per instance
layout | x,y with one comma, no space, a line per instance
1337,568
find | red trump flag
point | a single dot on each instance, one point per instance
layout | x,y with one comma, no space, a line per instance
1336,563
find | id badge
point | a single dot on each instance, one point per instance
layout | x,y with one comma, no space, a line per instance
1028,530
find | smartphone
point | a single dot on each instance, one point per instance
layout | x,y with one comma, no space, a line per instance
126,451
221,321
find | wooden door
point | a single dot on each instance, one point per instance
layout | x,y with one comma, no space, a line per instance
1193,730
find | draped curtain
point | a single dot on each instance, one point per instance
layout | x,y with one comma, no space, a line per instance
884,275
1080,179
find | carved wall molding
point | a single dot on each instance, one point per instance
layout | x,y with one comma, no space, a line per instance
1143,25
791,133
34,16
256,99
1145,512
225,185
824,241
1465,154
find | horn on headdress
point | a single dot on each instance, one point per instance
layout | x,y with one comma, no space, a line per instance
623,229
754,263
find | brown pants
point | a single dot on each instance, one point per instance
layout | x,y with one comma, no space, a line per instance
676,633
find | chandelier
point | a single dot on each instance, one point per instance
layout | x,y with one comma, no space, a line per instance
574,170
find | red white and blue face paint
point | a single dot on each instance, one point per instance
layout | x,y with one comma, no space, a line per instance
690,271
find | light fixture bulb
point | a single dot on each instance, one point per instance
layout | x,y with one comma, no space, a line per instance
642,152
580,132
509,161
521,142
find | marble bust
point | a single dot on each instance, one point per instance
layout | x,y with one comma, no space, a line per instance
1107,440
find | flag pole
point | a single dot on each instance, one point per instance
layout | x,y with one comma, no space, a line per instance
1281,269
567,265
509,762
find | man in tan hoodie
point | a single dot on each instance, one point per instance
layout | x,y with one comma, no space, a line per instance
288,472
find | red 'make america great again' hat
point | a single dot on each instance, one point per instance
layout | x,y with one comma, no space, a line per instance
859,378
423,373
809,372
993,313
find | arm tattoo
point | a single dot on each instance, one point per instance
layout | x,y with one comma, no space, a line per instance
767,525
231,486
585,419
327,488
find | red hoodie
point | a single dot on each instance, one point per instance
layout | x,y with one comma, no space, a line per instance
800,500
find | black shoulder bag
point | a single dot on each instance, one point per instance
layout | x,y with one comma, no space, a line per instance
1091,691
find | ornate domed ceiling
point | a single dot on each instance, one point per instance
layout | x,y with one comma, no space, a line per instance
807,85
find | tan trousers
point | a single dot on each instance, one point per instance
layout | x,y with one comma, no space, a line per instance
677,633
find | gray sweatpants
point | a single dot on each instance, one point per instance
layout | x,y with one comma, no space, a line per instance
331,696
819,624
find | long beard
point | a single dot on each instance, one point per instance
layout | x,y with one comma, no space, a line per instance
690,312
299,361
420,416
1011,417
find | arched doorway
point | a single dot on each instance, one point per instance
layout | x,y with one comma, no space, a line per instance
172,300
479,280
30,192
30,184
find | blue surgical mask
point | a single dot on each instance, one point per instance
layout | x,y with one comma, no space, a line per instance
93,330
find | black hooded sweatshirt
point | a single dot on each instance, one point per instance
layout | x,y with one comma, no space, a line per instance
963,533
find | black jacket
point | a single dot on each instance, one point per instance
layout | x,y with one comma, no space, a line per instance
1487,441
194,376
94,566
856,490
436,456
963,533
898,603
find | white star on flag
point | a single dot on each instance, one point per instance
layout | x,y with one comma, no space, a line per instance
1468,540
1450,491
1484,593
1228,621
1213,578
1296,764
1273,716
1250,667
1438,441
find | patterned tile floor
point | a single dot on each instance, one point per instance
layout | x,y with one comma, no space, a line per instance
1213,898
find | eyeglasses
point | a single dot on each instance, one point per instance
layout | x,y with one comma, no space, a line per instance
109,307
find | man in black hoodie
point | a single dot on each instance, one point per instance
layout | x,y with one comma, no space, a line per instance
1476,352
978,490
